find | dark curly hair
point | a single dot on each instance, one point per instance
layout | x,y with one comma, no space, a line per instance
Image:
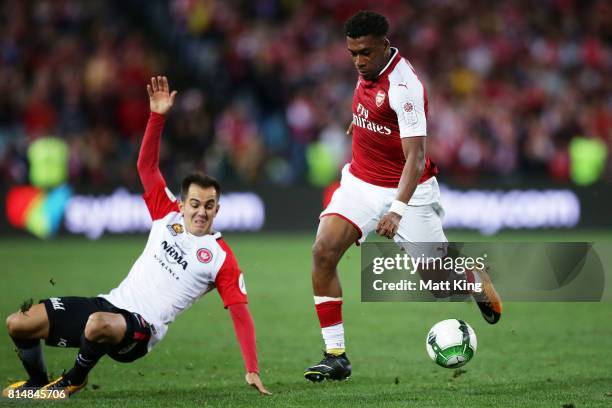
366,23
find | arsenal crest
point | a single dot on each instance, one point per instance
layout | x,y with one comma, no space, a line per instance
380,98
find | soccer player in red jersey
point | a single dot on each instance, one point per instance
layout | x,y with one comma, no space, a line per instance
389,187
184,258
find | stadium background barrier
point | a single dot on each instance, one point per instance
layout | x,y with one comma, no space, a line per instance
294,209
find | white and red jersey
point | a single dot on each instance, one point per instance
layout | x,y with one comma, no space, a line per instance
176,268
386,109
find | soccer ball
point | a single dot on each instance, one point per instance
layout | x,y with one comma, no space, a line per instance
451,343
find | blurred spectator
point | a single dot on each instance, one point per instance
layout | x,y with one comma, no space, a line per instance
510,85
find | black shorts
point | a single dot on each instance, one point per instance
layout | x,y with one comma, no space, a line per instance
68,317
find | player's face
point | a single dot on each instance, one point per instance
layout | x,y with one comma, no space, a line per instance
199,209
369,54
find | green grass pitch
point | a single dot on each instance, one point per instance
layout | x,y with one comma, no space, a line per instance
541,354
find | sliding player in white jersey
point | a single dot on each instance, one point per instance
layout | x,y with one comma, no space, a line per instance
184,258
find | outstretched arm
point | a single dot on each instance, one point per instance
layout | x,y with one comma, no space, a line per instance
232,289
245,333
160,102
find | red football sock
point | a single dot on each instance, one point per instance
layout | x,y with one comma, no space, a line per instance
329,311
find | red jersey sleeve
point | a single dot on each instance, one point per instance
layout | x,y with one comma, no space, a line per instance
160,201
245,333
148,157
229,280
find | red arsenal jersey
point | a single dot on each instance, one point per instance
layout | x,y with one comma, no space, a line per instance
391,107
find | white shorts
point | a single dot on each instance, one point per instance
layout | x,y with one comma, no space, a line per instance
363,205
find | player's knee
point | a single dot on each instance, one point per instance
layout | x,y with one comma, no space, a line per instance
17,325
11,324
97,328
325,254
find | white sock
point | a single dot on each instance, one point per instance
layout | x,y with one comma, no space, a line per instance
333,336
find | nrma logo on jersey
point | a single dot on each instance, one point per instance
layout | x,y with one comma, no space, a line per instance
174,254
36,210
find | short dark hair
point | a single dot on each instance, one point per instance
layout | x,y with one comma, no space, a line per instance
366,23
200,179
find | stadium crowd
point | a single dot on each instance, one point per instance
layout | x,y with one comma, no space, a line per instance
510,85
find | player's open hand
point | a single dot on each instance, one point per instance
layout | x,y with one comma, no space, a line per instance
254,380
160,98
388,225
